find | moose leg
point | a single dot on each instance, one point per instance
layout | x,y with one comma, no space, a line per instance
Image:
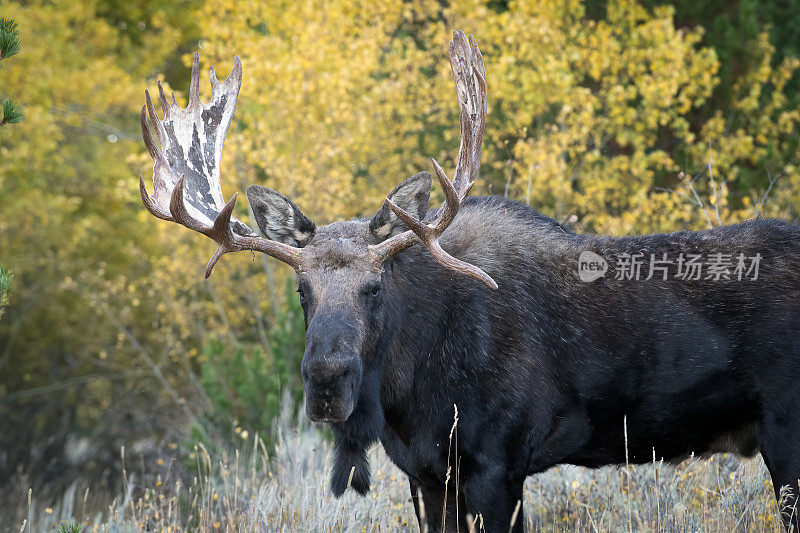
493,499
430,507
780,435
415,499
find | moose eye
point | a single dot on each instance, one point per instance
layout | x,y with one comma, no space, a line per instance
375,290
302,294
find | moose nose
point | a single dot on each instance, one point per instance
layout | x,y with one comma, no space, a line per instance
325,374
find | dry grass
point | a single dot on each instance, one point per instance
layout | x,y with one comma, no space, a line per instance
250,490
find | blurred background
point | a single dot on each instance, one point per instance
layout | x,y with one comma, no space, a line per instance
614,117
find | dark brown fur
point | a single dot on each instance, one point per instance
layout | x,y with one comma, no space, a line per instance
548,368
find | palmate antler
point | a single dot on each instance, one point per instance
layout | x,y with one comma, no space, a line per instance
186,173
469,74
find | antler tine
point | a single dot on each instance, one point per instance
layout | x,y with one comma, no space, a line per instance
179,212
222,234
194,83
147,134
151,113
221,230
162,98
150,205
452,199
462,267
466,63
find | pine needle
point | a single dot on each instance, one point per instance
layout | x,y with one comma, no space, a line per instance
9,38
12,114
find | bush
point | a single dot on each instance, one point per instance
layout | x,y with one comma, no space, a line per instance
245,385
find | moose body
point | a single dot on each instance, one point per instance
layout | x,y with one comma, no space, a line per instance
548,369
480,306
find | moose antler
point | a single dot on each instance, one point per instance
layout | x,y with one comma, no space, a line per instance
186,175
469,74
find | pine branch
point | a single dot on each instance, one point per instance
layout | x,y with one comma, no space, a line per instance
9,46
9,38
12,114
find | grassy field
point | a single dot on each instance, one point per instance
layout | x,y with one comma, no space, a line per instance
251,490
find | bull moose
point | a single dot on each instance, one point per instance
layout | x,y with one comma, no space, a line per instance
484,305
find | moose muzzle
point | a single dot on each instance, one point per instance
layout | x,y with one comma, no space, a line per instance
332,367
331,385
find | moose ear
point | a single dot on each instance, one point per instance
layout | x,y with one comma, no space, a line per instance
278,218
412,195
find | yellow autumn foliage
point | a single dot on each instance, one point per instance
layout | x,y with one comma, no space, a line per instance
587,118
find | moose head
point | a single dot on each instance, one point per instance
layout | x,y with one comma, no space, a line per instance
340,267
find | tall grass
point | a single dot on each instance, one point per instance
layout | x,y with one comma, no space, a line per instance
253,489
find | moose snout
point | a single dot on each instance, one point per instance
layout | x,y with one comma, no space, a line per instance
330,385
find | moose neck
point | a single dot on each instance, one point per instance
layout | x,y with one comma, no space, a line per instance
409,320
436,327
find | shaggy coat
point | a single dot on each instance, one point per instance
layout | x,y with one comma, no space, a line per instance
549,369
